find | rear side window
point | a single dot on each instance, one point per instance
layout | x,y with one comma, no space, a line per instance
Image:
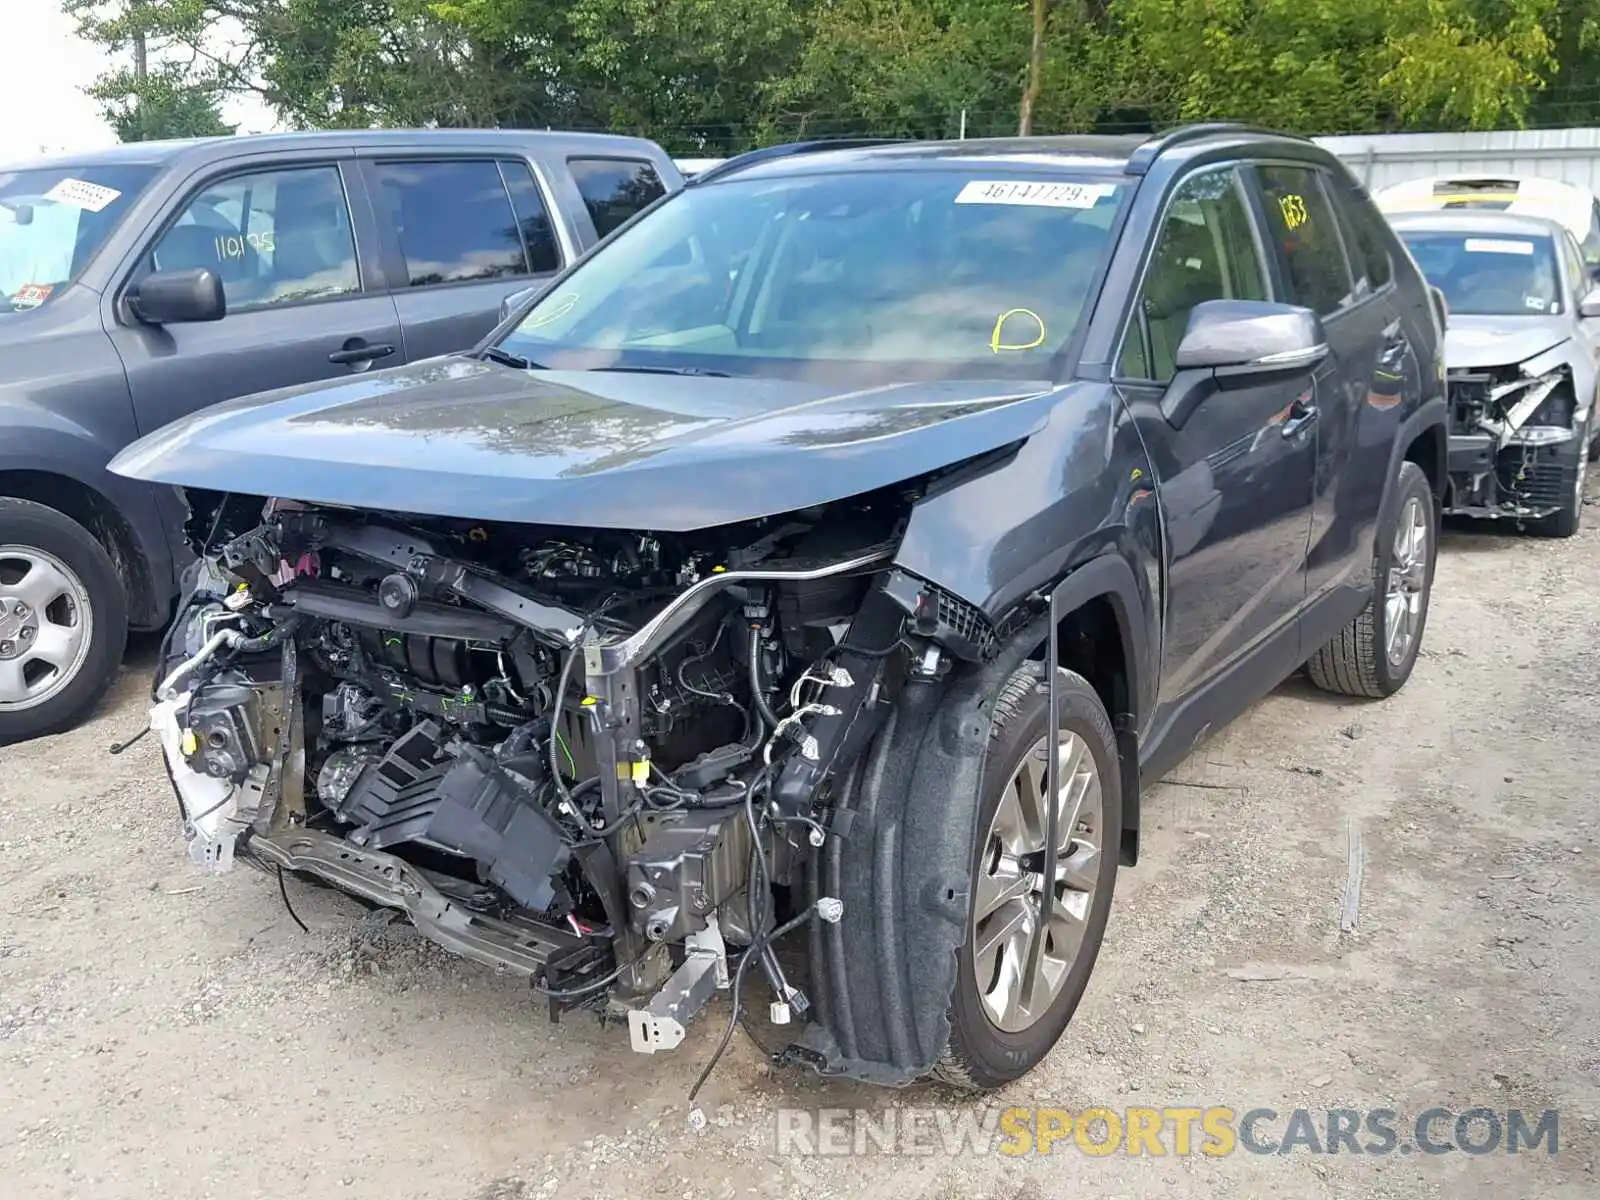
1369,249
613,189
1302,226
457,223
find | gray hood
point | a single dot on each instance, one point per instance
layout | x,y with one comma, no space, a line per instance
1473,342
465,438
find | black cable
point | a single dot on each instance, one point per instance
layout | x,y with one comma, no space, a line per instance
754,952
862,651
119,747
594,985
283,891
765,709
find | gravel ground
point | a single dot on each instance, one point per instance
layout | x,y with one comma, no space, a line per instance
167,1034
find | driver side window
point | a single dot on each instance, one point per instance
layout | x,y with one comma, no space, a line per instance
274,237
1205,250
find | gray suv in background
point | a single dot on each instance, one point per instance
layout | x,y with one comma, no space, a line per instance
142,283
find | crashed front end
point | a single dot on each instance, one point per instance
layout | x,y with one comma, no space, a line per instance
1517,439
590,757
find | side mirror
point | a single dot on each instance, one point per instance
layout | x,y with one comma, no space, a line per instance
177,297
520,299
1589,306
1235,341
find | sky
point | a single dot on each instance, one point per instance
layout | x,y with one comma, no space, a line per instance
46,67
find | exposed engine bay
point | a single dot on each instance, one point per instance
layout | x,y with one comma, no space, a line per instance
1516,435
595,758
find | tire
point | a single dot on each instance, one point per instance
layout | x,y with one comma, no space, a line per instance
48,558
1357,661
982,1053
1565,523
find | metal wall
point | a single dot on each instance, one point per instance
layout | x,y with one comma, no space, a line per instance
1381,159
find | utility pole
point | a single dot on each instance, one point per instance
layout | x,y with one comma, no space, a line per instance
1030,93
141,59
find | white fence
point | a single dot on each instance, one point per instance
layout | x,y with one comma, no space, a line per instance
1378,160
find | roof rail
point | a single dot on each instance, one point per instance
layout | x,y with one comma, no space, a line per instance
1139,161
788,150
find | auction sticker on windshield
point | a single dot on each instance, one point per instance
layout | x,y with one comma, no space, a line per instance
1036,195
31,295
1497,246
80,193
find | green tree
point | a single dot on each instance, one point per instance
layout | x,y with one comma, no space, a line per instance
161,105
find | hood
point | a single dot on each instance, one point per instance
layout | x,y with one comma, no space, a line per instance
1473,342
465,438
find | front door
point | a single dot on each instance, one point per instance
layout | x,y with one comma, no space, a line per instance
283,241
1235,481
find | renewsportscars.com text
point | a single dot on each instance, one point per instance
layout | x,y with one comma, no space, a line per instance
1211,1132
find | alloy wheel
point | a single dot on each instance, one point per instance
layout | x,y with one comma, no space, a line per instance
1408,581
1020,958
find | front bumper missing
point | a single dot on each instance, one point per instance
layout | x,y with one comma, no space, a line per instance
525,947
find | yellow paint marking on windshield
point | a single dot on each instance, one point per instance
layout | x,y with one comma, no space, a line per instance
556,311
1294,210
996,345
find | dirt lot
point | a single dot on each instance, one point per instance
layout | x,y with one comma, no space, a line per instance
164,1034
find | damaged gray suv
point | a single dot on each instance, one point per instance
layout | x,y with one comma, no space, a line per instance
838,552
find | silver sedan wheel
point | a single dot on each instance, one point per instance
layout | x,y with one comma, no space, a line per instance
1408,581
46,625
1019,959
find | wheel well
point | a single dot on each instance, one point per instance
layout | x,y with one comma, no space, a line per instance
1430,450
1090,643
96,514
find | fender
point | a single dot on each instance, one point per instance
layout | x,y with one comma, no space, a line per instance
1110,576
1430,413
40,442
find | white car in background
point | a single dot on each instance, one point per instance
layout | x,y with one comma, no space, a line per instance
1568,204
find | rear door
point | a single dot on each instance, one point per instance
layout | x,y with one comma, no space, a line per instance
460,234
294,245
1366,346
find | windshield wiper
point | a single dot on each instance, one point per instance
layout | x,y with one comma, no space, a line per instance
667,371
507,359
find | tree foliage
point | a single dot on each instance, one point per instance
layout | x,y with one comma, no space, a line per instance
720,75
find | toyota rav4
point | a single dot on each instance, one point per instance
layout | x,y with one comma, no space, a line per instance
840,551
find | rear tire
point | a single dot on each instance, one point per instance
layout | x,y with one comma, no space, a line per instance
64,622
1374,654
993,1042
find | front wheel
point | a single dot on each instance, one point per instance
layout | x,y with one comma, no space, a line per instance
1023,969
1569,517
63,620
1374,654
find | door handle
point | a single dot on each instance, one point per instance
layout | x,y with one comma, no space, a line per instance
363,352
1301,417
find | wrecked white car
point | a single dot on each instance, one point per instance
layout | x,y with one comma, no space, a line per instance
1520,352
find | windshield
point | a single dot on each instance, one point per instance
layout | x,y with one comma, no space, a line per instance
872,275
52,222
1490,276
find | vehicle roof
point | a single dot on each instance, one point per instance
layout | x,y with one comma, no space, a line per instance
1570,203
1476,221
198,151
1092,153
